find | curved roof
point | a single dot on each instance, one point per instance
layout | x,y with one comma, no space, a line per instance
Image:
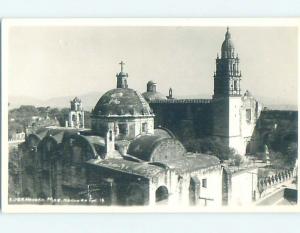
227,45
151,82
129,167
163,132
96,144
150,95
155,148
122,102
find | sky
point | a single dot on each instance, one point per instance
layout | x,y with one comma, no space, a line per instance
52,61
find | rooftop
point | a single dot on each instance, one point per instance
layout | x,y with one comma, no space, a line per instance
129,167
181,101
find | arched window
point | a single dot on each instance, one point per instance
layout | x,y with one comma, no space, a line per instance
248,115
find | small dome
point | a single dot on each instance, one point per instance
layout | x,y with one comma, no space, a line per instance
151,82
149,96
155,148
122,101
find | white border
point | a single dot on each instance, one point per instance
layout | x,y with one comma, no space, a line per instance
145,22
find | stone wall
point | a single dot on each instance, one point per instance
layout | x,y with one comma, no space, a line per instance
198,188
243,187
186,119
276,129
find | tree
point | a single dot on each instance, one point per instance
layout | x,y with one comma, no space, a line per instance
211,146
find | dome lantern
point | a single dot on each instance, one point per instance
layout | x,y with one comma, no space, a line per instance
122,77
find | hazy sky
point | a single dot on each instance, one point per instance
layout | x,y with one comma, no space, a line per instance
46,62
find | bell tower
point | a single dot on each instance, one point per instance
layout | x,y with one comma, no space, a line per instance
227,77
76,114
227,98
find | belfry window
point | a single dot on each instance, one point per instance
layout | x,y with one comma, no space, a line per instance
204,183
110,135
248,115
235,85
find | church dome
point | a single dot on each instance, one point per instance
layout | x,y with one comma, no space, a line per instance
151,93
122,102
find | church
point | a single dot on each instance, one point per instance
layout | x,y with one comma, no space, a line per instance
230,115
133,154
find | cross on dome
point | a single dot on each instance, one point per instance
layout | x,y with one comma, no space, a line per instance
122,65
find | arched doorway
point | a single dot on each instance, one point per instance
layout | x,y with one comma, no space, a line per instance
194,190
161,195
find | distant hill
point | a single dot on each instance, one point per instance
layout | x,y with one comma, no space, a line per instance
90,99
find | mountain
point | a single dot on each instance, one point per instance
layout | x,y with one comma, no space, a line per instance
90,99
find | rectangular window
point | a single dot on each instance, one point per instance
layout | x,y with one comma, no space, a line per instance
248,115
144,127
123,129
235,87
204,183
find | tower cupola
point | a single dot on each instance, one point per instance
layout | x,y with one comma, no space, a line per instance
151,86
227,50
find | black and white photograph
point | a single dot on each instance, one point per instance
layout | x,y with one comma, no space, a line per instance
149,115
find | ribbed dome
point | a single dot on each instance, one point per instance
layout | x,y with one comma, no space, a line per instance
227,45
122,102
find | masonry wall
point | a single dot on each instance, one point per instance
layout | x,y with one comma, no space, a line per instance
243,187
281,126
132,126
220,116
185,120
182,192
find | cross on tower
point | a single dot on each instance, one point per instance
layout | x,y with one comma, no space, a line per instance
122,65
